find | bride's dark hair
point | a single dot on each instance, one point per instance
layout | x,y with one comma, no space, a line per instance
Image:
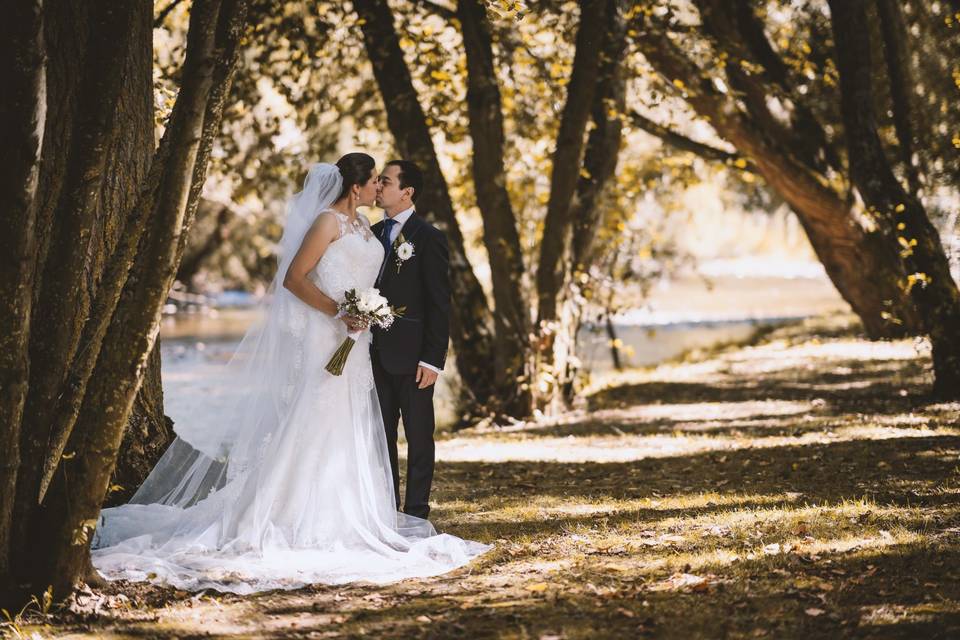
356,168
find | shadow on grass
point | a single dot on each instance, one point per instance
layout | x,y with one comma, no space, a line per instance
877,381
821,472
840,595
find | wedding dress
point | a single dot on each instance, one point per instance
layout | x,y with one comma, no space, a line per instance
291,485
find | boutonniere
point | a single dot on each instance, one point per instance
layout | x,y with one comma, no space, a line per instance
402,250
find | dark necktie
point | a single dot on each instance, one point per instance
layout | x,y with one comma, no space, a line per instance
385,238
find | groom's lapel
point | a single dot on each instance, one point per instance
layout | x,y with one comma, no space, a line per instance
410,229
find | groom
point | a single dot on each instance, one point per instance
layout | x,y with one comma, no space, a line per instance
409,356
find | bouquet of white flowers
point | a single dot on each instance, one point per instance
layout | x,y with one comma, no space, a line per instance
366,306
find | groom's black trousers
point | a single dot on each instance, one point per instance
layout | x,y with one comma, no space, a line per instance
399,396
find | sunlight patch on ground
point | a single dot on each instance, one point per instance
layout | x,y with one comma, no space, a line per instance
894,614
704,411
625,448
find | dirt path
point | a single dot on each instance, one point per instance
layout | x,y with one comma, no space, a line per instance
801,487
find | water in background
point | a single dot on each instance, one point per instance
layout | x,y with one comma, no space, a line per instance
685,314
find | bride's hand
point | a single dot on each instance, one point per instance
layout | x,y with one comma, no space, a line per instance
354,323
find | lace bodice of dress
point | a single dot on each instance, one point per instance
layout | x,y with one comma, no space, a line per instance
351,261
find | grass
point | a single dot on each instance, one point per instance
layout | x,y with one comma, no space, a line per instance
800,486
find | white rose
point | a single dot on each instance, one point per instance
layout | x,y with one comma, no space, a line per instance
405,251
366,301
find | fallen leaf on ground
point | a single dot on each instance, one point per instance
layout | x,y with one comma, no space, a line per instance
684,582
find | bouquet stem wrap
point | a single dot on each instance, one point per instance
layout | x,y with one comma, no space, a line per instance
339,358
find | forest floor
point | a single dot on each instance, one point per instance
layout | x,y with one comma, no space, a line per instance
798,486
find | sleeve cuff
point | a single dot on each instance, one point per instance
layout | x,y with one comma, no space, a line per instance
430,366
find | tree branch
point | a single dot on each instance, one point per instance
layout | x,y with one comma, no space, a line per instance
680,141
438,9
158,21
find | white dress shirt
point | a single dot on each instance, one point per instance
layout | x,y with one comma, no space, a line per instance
401,218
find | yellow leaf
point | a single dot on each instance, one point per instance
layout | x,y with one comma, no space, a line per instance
740,163
678,83
539,587
900,208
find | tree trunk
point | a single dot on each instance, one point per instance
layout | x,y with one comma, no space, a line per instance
200,248
900,215
500,236
555,244
603,144
858,260
471,319
22,121
136,231
598,81
893,26
148,434
93,61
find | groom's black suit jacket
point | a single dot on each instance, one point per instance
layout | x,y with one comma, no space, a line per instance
422,285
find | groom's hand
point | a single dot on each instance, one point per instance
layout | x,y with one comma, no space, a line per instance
425,377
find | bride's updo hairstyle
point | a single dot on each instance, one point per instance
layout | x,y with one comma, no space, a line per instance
356,168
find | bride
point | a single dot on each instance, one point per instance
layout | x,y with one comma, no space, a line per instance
291,484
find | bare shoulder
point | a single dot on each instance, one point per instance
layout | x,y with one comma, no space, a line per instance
324,227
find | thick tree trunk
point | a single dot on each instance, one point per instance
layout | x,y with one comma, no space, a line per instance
91,160
900,215
471,319
22,121
557,230
860,263
500,236
138,228
133,329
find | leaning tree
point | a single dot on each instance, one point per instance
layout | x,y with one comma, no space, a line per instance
803,109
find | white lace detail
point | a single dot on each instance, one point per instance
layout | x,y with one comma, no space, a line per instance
347,225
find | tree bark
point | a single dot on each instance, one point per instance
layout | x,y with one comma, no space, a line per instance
133,329
91,73
555,244
603,144
895,43
471,319
22,121
124,315
929,280
500,236
858,260
147,435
